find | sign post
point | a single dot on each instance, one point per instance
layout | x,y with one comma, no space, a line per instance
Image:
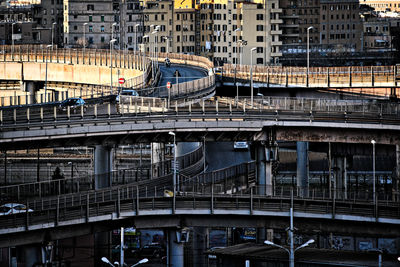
169,93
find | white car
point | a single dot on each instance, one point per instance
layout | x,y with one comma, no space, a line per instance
240,145
13,208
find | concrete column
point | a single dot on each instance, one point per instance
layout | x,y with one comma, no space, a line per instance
102,166
157,157
261,235
340,172
30,87
32,255
302,168
175,250
264,156
199,245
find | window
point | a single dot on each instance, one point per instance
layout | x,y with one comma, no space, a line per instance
90,18
260,17
90,7
260,49
260,60
75,28
102,18
178,27
102,28
90,28
102,39
260,39
260,28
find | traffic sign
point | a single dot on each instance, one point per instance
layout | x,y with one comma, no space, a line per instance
121,80
168,85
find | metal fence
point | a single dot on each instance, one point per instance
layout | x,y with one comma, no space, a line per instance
361,79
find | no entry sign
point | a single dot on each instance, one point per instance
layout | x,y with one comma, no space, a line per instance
168,85
121,80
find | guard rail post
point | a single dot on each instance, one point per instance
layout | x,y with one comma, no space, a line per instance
118,204
251,201
212,196
57,211
27,217
137,200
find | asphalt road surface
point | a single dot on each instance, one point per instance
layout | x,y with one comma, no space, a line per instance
221,155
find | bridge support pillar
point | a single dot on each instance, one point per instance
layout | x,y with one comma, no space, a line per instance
102,166
174,250
264,155
32,255
30,87
157,158
340,172
397,181
302,169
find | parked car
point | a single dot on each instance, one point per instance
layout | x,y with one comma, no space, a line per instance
128,92
240,145
13,208
74,103
152,251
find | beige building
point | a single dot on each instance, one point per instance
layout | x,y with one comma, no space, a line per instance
383,5
158,15
131,24
261,28
97,19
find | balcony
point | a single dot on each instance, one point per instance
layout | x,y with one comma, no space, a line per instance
290,34
279,32
293,16
276,54
276,10
276,21
289,25
276,43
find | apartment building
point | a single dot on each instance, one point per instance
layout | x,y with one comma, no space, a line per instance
376,35
158,26
224,23
382,5
184,31
261,28
341,25
30,22
131,32
98,20
205,24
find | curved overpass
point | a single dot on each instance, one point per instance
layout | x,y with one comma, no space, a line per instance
299,120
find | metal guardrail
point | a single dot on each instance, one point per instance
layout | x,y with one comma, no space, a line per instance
188,164
121,59
130,200
320,77
366,111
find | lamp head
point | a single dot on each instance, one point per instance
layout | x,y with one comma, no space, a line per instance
253,49
49,46
54,23
309,28
84,24
373,142
137,25
114,24
104,259
113,40
143,261
267,242
171,133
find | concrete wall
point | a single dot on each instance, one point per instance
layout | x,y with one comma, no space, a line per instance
88,74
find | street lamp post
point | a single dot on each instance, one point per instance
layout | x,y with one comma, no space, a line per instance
155,57
12,36
291,251
45,79
143,59
111,64
135,43
236,63
52,34
166,38
308,50
84,36
112,30
373,142
174,177
251,73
